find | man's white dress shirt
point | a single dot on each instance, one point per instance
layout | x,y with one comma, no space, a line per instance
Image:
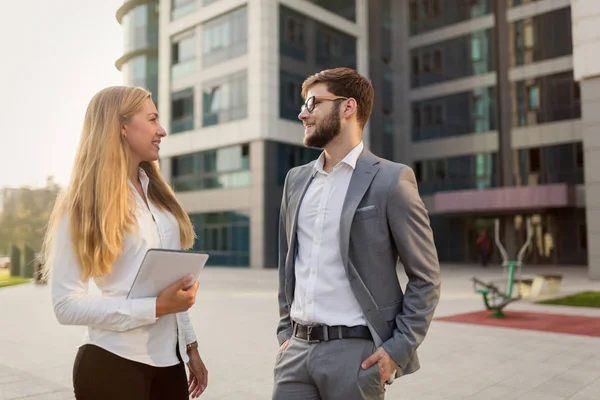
127,328
323,294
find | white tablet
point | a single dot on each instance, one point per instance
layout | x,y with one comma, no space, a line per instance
162,267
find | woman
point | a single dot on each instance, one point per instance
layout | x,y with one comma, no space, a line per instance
116,207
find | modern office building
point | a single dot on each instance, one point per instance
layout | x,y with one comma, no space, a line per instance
483,98
139,62
495,104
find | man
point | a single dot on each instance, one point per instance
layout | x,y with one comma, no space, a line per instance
346,328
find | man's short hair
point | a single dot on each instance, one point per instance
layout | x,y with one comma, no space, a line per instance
348,83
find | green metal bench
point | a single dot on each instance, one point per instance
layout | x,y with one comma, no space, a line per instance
494,298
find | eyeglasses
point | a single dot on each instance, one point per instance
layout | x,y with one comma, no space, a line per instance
312,101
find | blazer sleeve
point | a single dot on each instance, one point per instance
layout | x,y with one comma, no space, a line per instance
409,224
284,329
74,305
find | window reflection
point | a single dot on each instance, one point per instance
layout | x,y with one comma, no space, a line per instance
226,99
477,171
541,37
227,167
549,98
225,37
453,115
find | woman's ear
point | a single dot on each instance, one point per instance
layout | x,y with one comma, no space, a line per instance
123,131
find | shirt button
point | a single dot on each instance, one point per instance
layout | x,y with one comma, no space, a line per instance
316,241
310,302
313,271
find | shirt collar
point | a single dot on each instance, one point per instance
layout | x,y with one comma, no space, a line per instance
350,159
144,180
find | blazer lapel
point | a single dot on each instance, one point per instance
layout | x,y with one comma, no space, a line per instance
296,194
365,171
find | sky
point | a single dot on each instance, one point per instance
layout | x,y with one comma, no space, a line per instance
55,55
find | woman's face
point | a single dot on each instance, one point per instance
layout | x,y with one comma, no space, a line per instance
143,134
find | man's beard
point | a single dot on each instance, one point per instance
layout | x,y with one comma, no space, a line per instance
326,130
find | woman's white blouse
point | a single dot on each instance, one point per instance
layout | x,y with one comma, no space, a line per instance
127,328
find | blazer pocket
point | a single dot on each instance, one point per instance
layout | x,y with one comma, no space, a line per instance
365,213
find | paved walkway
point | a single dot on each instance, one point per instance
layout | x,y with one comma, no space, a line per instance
459,361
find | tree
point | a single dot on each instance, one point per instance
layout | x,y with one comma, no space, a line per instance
24,215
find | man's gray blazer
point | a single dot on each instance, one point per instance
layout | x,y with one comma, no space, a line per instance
383,220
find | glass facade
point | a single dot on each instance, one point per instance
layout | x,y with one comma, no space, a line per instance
427,15
515,3
181,8
140,27
549,98
541,37
226,99
142,71
467,55
183,56
290,156
307,46
455,114
475,171
225,37
292,34
290,95
303,39
334,48
182,111
343,8
225,236
551,164
223,168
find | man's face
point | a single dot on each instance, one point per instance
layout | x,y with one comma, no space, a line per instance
323,123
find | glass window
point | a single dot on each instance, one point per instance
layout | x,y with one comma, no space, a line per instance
225,236
427,15
227,167
344,8
292,33
466,55
550,164
184,50
182,111
225,37
455,114
290,95
183,55
476,171
334,48
549,98
542,37
534,97
225,100
180,8
290,156
141,27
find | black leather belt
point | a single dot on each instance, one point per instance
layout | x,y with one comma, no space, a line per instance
323,333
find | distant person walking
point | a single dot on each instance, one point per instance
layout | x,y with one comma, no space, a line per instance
116,207
483,241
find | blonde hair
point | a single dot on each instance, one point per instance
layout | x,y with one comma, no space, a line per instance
98,200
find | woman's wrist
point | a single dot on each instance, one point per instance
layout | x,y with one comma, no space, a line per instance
192,346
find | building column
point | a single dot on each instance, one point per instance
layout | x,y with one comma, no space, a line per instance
362,52
504,125
257,210
585,15
590,123
401,66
